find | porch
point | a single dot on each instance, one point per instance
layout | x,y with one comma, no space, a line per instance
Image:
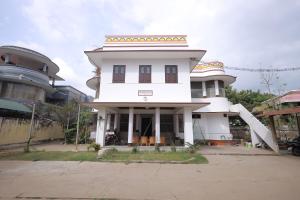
145,124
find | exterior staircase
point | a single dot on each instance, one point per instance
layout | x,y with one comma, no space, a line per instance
256,127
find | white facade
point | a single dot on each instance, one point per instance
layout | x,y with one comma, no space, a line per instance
158,109
162,92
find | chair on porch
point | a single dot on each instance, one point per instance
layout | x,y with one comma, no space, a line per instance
144,140
152,140
135,139
162,140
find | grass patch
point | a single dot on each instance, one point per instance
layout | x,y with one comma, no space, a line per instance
125,157
51,156
155,156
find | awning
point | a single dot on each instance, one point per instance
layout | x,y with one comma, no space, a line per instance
284,111
98,105
13,105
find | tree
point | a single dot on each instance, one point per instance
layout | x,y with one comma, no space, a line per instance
247,98
65,115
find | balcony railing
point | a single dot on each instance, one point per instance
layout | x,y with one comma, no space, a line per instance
22,74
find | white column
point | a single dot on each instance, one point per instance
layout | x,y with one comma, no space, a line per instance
6,58
176,125
204,88
116,118
108,121
100,132
130,126
254,138
188,126
217,88
157,125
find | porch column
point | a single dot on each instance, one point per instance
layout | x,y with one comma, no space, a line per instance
116,119
108,121
176,125
157,125
130,126
188,126
100,132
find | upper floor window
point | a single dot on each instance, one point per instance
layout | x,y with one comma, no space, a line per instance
221,88
210,88
119,74
145,74
196,90
171,74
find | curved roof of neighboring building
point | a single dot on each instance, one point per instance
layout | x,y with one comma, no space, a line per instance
21,51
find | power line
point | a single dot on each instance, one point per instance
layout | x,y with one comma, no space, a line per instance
284,69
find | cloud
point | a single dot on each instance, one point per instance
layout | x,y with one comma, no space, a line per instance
30,45
65,71
237,32
58,20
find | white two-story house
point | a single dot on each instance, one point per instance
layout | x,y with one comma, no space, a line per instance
151,89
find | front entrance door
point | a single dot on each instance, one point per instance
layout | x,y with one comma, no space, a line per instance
146,126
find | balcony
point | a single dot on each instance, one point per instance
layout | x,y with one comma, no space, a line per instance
93,83
24,75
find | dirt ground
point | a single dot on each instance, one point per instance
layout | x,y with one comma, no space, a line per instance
225,177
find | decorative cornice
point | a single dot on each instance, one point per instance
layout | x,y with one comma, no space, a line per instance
146,39
208,66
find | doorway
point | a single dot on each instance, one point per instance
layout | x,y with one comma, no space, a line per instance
146,126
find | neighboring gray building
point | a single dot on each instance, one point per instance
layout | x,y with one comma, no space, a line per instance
25,74
67,93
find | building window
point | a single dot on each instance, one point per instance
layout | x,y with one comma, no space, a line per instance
145,74
210,88
196,90
119,74
171,74
221,89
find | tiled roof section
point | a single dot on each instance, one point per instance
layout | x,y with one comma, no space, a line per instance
209,66
146,39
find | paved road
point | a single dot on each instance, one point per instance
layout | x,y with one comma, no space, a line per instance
225,177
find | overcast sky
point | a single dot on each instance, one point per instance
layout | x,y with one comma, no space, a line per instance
256,33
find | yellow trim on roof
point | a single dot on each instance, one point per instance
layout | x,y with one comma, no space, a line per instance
147,39
209,66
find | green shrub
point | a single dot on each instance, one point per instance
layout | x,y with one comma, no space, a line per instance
192,148
70,135
157,147
110,151
173,148
94,146
135,149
